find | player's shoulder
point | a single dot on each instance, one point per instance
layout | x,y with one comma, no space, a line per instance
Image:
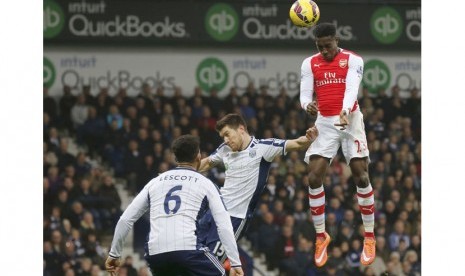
223,148
209,185
352,54
311,58
348,52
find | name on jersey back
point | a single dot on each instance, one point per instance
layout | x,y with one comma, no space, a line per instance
178,177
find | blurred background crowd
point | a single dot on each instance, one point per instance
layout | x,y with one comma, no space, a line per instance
127,139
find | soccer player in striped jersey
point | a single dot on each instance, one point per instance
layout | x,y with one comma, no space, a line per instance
247,161
334,75
176,199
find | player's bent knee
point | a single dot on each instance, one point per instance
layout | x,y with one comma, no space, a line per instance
315,181
364,180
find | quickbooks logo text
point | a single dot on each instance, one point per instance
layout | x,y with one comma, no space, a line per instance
211,73
54,19
221,22
49,73
376,76
386,25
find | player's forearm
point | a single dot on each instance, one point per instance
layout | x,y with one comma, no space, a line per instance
350,97
121,231
305,99
301,143
132,213
224,227
226,234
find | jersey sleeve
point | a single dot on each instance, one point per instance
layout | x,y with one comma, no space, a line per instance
353,79
133,212
306,83
272,147
223,223
217,156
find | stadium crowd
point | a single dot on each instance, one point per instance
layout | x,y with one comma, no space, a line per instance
125,137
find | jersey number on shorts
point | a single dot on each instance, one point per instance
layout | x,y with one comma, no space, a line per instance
364,146
219,249
170,197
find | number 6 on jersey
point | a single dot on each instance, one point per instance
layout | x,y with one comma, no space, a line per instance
170,197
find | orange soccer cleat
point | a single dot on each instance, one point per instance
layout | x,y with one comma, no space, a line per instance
321,250
369,251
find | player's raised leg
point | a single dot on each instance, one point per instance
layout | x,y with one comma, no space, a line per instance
316,195
366,203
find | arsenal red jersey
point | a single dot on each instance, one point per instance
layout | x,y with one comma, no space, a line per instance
335,83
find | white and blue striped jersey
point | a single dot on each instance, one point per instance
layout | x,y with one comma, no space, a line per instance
246,173
176,199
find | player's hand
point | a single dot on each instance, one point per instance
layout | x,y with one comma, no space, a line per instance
343,120
111,265
311,133
312,108
236,271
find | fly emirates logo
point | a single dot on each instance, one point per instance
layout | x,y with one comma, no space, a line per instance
330,78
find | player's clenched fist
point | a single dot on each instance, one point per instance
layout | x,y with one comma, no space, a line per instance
312,108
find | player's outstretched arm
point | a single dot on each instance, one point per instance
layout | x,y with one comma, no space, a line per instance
303,142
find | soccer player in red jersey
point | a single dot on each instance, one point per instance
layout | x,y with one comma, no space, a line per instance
334,75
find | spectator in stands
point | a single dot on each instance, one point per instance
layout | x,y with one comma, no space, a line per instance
353,257
52,259
54,179
284,252
109,203
128,264
65,158
398,235
91,133
66,103
268,234
306,228
79,111
90,99
394,266
132,161
50,106
93,249
53,139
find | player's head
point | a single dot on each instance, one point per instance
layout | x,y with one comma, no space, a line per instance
186,149
326,40
233,129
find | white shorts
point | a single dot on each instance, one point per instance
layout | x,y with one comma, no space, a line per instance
352,140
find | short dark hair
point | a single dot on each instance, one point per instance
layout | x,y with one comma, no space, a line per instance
232,120
324,29
186,148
